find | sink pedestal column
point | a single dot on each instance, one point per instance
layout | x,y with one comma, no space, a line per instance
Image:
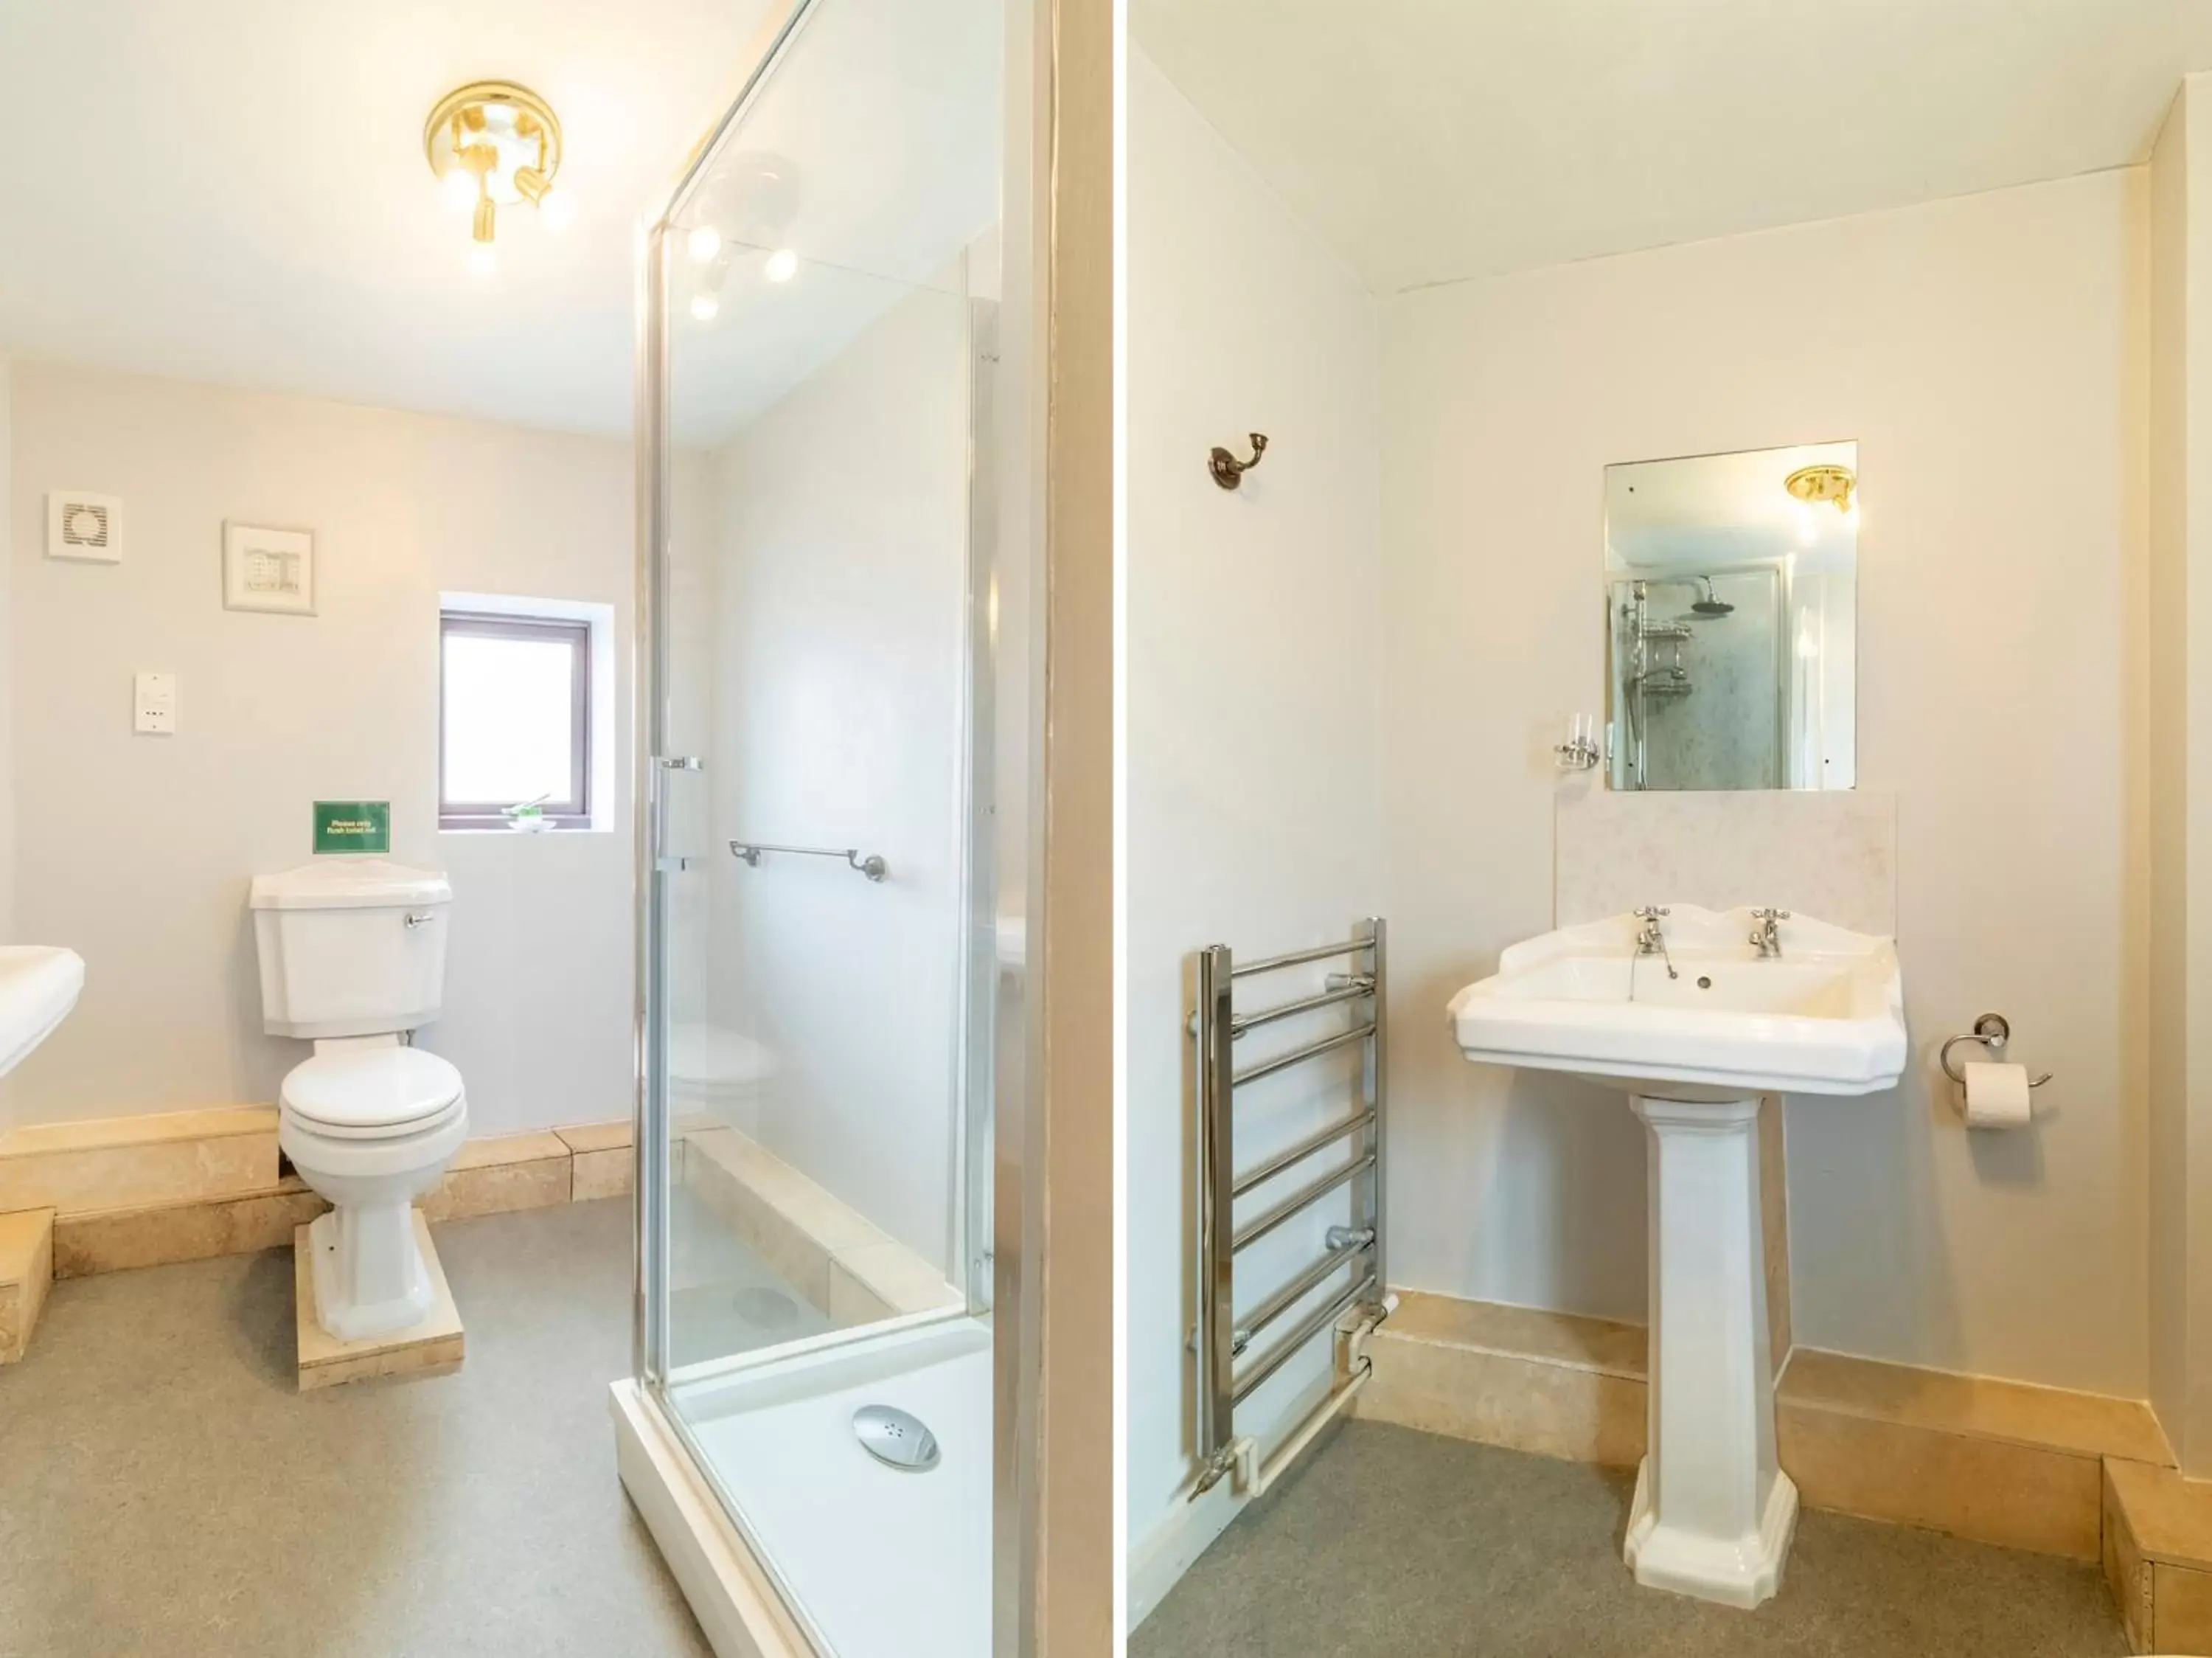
1714,1512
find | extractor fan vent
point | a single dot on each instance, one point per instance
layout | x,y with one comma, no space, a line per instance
82,525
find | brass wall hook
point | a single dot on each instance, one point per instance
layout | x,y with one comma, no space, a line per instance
1228,471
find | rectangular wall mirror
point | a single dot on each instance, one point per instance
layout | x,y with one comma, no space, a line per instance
1731,601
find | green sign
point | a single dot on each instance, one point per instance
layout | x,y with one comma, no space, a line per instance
353,825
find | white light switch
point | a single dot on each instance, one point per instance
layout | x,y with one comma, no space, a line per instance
154,703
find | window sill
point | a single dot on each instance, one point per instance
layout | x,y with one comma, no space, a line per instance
501,830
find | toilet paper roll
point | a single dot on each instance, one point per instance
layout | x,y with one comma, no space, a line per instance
1997,1096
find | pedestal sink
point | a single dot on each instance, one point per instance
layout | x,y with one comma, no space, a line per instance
39,985
1695,1031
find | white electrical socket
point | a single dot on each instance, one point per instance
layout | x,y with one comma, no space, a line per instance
154,703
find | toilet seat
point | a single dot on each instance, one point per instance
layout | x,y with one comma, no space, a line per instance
720,1072
371,1094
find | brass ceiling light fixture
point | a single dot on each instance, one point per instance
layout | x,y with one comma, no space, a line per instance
494,144
1813,484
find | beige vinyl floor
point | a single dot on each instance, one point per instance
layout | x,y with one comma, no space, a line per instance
1393,1542
165,1492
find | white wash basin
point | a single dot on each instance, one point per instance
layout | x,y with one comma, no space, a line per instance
1714,1513
1825,1017
39,985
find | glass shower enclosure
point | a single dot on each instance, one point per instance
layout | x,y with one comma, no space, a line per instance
1700,681
836,700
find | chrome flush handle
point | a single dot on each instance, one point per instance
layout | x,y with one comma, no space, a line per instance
421,920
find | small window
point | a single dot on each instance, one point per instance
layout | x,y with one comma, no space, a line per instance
514,719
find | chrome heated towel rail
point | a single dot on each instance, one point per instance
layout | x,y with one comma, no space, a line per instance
1354,1251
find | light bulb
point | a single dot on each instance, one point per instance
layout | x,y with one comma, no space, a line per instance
705,307
704,242
781,266
460,189
481,261
556,208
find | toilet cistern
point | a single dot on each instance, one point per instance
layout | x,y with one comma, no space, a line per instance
1696,1052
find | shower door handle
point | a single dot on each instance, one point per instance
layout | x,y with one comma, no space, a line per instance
664,861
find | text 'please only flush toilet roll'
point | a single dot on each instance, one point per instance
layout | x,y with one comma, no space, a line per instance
1997,1096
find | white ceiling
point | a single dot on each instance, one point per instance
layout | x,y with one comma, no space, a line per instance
235,190
1434,140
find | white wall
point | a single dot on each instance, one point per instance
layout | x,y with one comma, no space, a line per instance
1252,636
2169,1032
7,698
137,851
1989,355
838,661
2179,1034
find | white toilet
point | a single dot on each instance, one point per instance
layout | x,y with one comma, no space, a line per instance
353,954
717,1076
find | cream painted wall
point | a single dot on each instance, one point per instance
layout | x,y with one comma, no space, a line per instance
840,596
2168,1030
137,851
2179,1034
1252,671
1989,355
8,932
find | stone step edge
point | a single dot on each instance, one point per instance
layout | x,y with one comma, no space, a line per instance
1785,1394
26,1274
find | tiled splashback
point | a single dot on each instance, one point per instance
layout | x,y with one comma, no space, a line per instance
1830,854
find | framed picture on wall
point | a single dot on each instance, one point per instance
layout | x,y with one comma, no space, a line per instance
269,569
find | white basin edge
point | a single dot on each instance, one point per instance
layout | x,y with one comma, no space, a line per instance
1498,1020
39,987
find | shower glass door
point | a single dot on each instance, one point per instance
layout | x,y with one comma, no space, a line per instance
822,976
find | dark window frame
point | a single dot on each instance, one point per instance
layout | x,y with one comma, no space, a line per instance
569,813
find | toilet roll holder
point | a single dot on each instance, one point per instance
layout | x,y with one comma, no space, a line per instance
1992,1032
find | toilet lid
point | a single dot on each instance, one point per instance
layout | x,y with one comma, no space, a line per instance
359,1088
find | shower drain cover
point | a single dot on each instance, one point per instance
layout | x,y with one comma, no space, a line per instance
894,1436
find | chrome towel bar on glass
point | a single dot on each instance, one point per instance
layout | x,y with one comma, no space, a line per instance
870,865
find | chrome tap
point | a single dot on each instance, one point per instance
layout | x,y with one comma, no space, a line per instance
1649,939
1766,935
